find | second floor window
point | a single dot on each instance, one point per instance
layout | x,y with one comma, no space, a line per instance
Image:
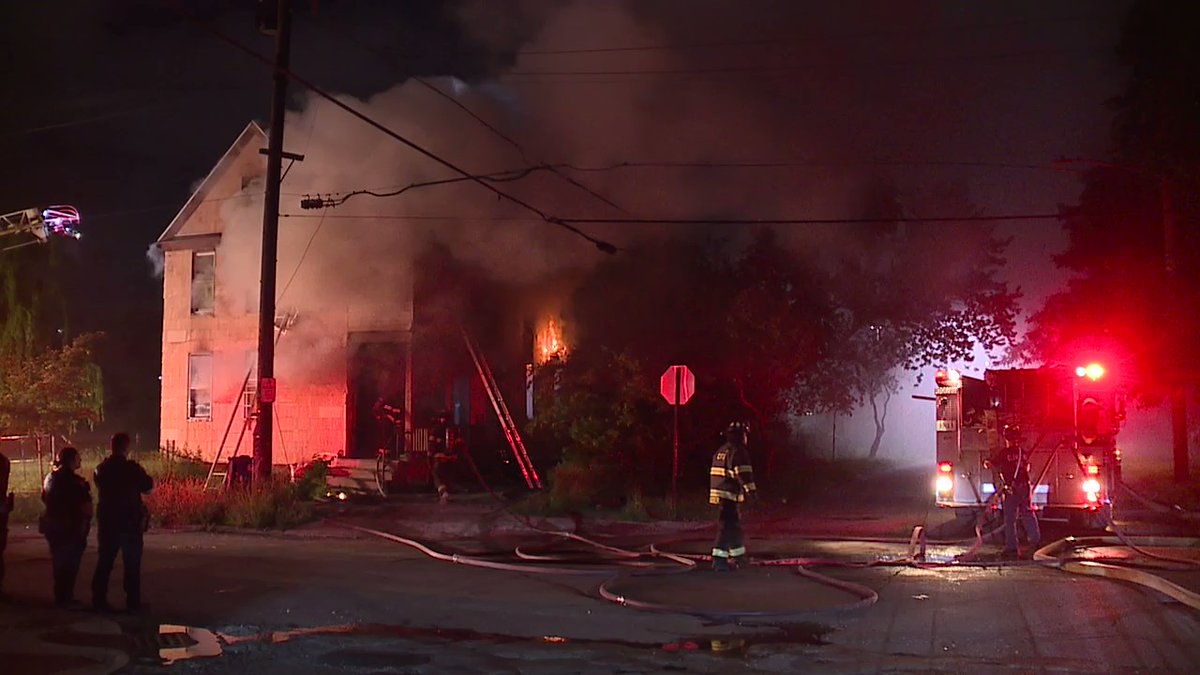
204,282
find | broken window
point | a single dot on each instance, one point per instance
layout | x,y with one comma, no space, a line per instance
204,282
200,377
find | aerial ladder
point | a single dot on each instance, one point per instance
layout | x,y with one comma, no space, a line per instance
41,224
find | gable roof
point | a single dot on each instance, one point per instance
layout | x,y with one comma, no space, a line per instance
251,133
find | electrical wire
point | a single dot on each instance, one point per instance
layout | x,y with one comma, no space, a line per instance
478,118
303,255
1036,54
496,177
604,246
798,164
808,221
819,38
694,221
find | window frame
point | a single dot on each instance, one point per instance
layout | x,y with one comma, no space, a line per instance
192,415
211,307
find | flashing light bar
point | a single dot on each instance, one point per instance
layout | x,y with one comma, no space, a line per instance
1092,371
62,220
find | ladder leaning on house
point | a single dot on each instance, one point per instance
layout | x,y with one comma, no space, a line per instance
282,324
212,469
532,480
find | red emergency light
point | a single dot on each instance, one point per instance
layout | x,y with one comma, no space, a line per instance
1092,371
945,467
948,377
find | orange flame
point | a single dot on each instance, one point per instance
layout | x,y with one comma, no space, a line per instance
549,343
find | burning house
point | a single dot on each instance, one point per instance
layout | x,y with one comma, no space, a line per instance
366,359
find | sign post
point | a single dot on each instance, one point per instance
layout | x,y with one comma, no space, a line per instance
677,385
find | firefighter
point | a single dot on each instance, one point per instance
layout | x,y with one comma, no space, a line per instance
731,479
440,454
1012,469
121,521
66,522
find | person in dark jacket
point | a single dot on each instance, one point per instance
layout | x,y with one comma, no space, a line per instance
731,479
121,518
1011,468
66,522
6,507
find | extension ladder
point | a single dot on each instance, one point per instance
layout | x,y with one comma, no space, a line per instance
532,480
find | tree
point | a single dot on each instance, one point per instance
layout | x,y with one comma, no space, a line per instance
54,389
907,295
1134,246
48,382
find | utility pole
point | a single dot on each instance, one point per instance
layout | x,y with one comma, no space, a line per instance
264,428
1179,422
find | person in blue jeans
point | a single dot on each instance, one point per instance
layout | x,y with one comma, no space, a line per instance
121,519
1012,465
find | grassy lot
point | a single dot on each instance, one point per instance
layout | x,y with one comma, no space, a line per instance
1158,484
179,498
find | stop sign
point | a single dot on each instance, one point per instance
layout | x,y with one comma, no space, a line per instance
677,385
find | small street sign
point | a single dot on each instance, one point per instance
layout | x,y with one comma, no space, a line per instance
266,390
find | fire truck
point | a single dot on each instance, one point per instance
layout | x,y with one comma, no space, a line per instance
1068,419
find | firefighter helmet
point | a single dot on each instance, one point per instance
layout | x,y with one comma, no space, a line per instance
1012,433
738,428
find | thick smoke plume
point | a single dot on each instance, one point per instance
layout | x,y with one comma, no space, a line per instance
895,86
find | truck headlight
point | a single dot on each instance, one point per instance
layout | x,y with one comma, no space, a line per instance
944,483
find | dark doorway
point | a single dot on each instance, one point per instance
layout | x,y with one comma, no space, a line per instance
375,393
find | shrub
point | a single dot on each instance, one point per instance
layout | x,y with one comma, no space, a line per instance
278,506
174,503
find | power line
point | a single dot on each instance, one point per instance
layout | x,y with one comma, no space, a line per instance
337,198
484,123
697,221
303,255
497,219
801,164
817,38
498,177
807,221
291,75
792,68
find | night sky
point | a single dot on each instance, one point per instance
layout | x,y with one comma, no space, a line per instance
120,107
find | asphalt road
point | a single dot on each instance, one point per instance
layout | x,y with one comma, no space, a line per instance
327,600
